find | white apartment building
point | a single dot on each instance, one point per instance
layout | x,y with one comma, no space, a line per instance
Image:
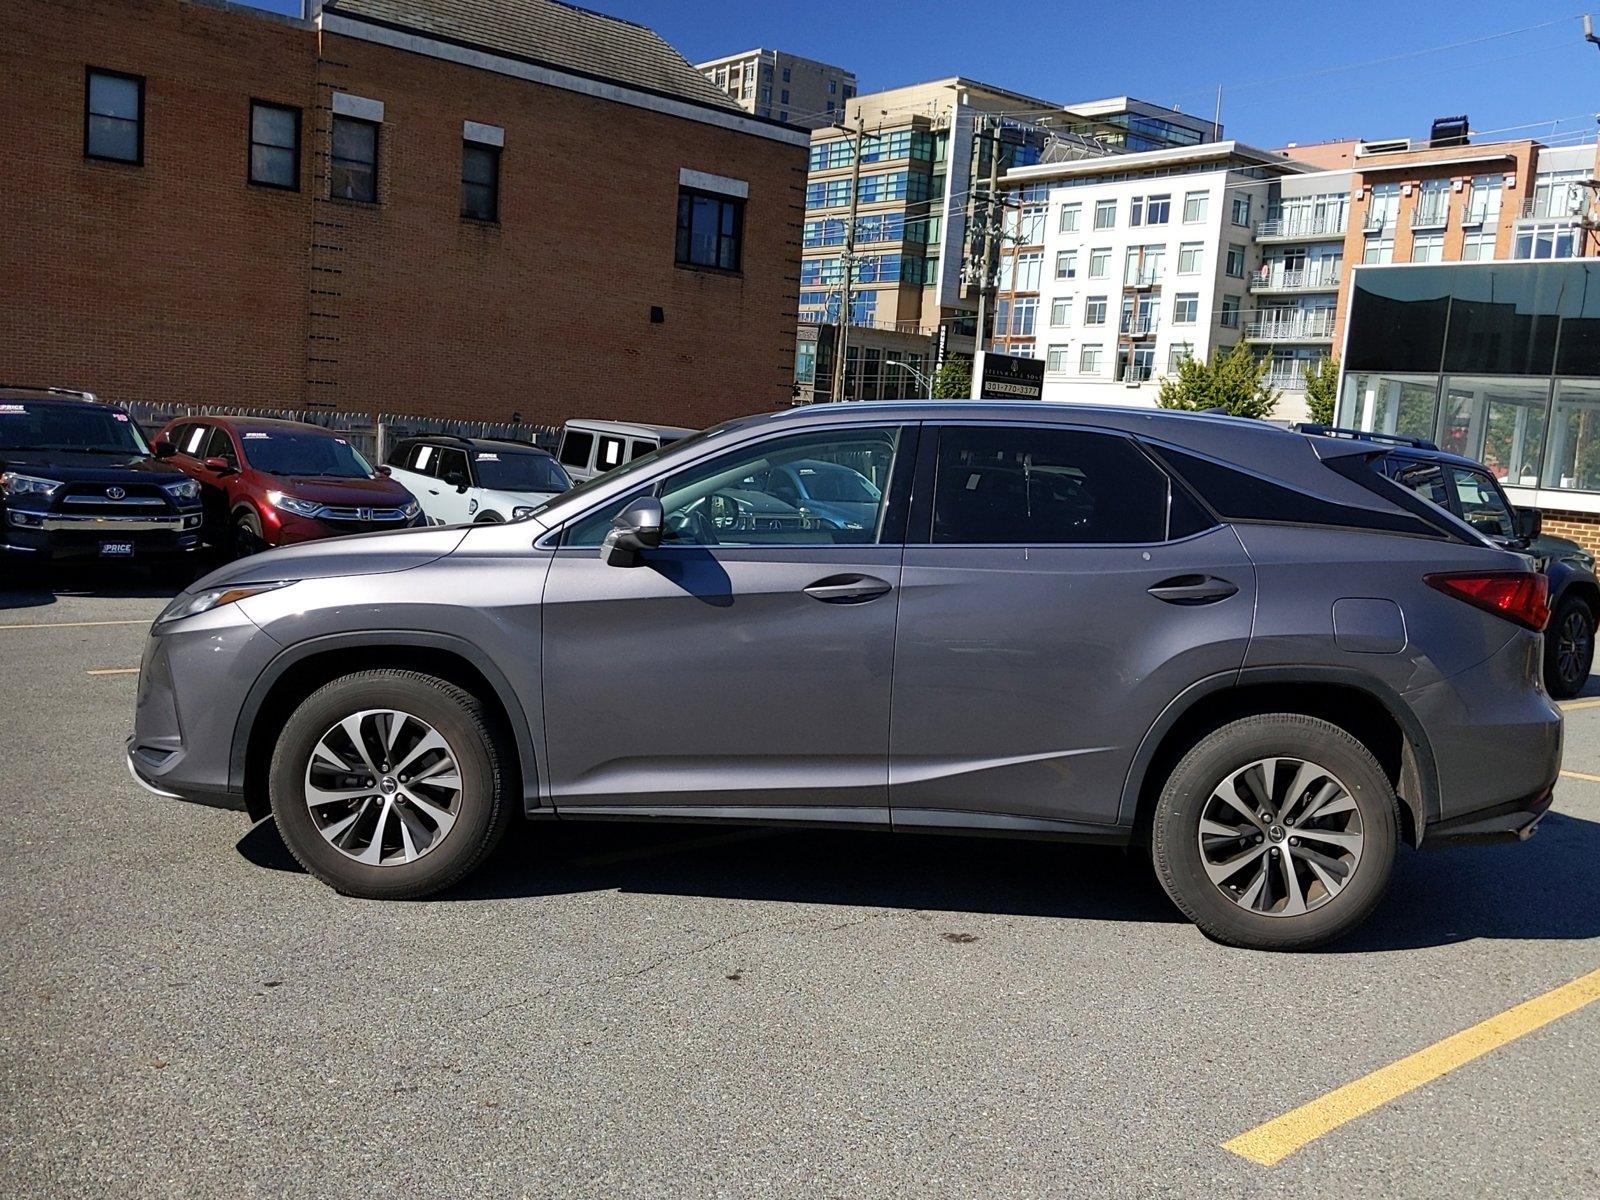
1120,267
786,87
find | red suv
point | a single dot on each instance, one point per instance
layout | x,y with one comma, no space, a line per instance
269,483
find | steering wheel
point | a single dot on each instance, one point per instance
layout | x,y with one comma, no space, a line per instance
692,527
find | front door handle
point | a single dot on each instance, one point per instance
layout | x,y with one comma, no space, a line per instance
1193,589
847,589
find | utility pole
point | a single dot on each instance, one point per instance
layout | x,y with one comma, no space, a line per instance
988,237
842,326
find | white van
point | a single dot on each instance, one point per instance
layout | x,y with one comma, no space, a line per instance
590,448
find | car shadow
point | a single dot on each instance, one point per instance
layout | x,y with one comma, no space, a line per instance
1541,889
37,587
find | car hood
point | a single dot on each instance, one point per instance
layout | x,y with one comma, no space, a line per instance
69,466
359,554
359,493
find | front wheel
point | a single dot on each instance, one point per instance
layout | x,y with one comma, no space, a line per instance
1276,832
247,537
390,784
1569,648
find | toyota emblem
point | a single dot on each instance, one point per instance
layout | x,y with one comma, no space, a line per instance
116,493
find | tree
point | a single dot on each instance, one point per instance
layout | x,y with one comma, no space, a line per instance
953,380
1235,382
1322,387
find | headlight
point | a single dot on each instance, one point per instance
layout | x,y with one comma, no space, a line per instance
293,504
411,510
520,511
14,484
201,602
184,489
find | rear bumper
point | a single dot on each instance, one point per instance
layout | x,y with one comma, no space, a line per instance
1515,821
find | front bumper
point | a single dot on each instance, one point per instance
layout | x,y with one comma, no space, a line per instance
58,535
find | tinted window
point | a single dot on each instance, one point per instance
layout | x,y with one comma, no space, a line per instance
1482,504
1033,486
591,530
426,461
611,453
194,440
221,446
293,452
575,447
91,428
519,471
740,498
451,462
1504,323
639,449
1397,320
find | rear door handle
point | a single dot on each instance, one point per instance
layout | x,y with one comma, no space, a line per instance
1193,589
847,589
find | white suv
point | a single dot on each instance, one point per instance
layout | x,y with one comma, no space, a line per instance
460,480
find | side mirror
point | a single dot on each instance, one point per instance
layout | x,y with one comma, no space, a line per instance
162,448
456,480
635,529
220,465
382,469
1530,523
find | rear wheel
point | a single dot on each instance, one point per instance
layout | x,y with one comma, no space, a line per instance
1569,648
1277,832
389,784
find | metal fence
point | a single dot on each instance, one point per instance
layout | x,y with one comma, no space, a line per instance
373,437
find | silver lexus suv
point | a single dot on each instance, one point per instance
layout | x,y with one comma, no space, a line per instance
1243,647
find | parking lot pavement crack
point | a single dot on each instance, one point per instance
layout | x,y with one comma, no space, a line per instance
683,955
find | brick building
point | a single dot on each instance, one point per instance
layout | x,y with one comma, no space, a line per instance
465,208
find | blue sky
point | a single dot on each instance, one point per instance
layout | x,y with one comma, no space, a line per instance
1290,71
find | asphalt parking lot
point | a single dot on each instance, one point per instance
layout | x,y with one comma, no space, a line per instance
617,1011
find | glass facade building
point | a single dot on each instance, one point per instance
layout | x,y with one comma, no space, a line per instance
1499,361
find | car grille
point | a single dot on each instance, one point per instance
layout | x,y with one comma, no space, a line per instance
103,500
362,520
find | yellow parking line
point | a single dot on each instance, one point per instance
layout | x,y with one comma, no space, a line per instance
71,624
1581,775
1574,705
1277,1139
113,671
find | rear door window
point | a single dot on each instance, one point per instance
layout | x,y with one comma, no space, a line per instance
194,440
1028,485
576,446
424,459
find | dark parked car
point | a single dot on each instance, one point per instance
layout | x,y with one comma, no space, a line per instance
1245,648
1467,489
79,481
273,483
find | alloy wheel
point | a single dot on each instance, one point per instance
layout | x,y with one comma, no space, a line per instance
1280,837
1573,641
383,787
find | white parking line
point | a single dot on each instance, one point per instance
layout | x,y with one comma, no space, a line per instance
72,624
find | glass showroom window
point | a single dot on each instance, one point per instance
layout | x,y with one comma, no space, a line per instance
1498,421
1573,458
1403,404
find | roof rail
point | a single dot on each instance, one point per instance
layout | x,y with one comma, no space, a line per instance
52,391
1362,435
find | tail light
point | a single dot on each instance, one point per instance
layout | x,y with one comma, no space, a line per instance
1520,596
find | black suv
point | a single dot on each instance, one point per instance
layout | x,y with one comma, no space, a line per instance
79,480
1467,489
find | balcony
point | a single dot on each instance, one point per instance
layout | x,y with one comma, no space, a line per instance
1430,216
1275,278
1140,326
1378,219
1134,374
1301,227
1556,204
1480,214
1287,378
1146,278
1302,327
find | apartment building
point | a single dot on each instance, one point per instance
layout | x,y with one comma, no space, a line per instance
1125,265
785,87
1133,125
463,208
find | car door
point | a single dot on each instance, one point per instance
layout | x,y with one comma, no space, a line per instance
409,467
1059,590
742,668
451,499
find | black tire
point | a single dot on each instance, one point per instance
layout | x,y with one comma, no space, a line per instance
484,809
247,538
489,518
1569,648
1175,836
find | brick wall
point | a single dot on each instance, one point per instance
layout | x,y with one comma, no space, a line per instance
1583,528
179,280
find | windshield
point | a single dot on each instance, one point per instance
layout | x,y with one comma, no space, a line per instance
291,452
832,484
517,471
81,427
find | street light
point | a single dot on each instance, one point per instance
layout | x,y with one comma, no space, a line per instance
922,380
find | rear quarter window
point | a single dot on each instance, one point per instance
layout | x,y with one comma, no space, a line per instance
576,446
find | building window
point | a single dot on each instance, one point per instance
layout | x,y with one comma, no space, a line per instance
480,181
710,230
1029,268
1069,217
1105,214
1235,263
354,173
1100,264
1056,358
1228,317
1066,264
1378,249
1427,247
805,362
1194,208
1089,360
1157,210
1241,210
1024,312
1549,241
1483,201
274,145
1180,353
113,116
1478,244
786,75
1061,311
1186,308
1189,258
783,96
1094,310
